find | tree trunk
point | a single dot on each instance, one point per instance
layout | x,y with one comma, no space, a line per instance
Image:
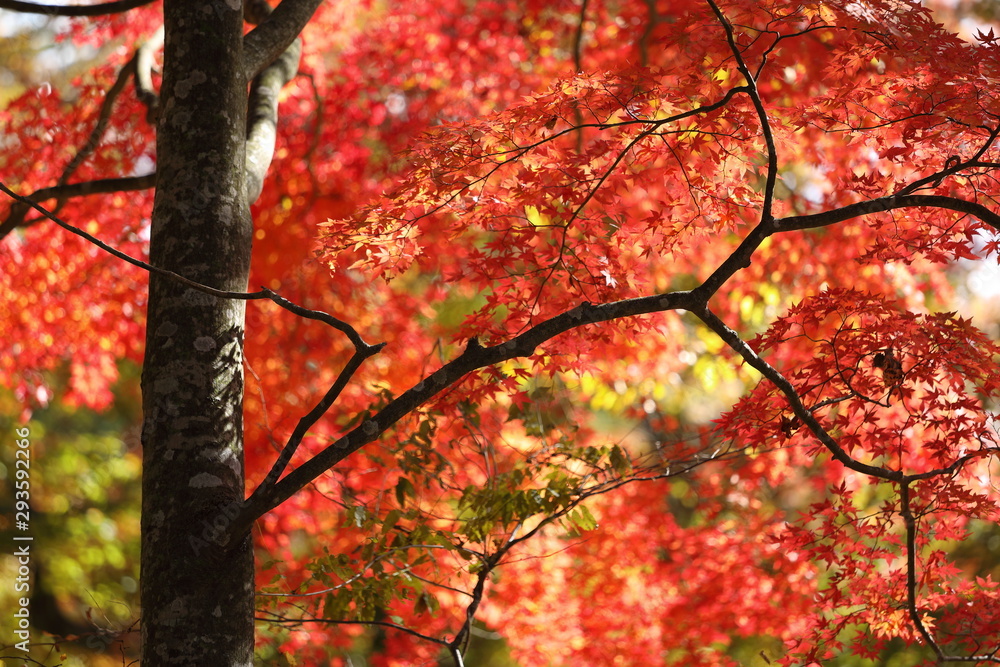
197,599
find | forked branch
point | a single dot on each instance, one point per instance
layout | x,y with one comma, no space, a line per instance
804,414
758,104
265,43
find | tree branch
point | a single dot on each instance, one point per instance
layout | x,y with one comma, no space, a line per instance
954,165
476,357
578,39
742,256
473,358
263,44
22,205
139,66
103,118
263,293
522,150
256,11
951,468
314,415
738,345
758,104
911,570
362,349
326,621
144,75
262,117
74,10
889,203
739,259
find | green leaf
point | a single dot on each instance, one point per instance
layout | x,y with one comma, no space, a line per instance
582,518
391,519
620,461
404,488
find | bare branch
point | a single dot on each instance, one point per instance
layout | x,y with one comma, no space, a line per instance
473,358
101,186
274,618
739,259
911,570
262,114
73,10
314,415
262,118
742,256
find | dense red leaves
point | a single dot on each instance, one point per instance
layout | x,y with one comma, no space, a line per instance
557,155
906,392
903,389
606,611
52,313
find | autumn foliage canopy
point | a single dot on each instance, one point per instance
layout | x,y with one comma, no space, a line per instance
689,260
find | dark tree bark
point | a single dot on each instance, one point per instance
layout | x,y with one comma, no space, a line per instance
197,598
197,587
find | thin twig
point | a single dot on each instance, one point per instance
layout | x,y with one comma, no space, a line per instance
314,415
758,103
954,165
82,189
103,118
911,570
326,621
263,293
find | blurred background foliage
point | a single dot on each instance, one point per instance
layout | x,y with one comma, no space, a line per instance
85,503
85,472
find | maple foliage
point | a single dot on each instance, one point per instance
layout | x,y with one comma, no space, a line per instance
550,213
